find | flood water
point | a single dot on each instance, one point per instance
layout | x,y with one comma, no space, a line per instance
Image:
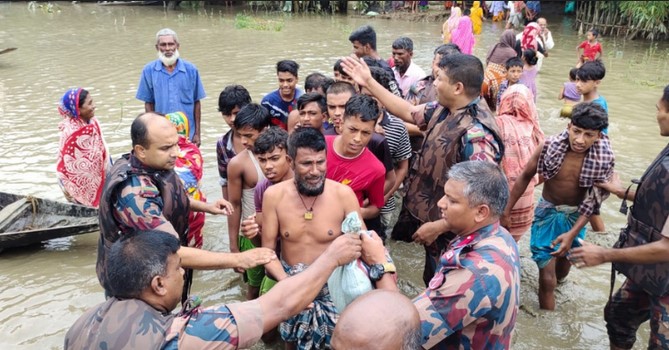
43,290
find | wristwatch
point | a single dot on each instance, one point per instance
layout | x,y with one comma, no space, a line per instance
376,271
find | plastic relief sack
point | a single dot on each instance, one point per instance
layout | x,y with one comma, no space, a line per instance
351,280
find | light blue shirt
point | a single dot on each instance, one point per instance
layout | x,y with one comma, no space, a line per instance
602,102
172,92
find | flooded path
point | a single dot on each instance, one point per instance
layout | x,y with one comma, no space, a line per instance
103,49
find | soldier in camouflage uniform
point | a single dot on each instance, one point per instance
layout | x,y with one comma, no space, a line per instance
146,281
641,254
459,309
458,127
143,192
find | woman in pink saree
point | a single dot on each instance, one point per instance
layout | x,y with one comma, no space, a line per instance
463,35
518,125
83,158
189,167
451,24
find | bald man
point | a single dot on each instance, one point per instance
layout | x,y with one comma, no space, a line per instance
143,192
388,328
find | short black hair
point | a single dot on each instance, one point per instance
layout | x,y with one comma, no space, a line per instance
572,73
135,259
371,62
270,139
312,97
594,32
589,115
363,107
364,35
382,77
447,49
306,138
139,132
530,57
289,66
665,95
591,70
514,62
233,96
403,43
253,115
466,12
466,69
341,87
317,80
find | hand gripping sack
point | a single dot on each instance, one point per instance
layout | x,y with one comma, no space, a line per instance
351,280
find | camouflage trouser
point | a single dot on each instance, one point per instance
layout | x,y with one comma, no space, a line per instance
631,306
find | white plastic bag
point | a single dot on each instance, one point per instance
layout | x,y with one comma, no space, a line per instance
351,280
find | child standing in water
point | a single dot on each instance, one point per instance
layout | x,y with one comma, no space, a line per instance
514,69
530,71
592,49
569,94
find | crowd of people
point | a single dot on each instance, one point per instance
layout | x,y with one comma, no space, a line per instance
448,160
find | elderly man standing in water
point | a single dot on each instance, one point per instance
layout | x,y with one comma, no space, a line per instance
172,84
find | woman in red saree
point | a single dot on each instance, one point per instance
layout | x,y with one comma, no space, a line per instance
518,124
189,167
83,158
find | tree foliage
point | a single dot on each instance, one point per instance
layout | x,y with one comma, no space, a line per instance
647,19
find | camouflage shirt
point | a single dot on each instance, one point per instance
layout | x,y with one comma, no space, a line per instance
133,324
472,300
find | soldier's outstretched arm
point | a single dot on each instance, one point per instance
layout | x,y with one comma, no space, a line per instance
200,259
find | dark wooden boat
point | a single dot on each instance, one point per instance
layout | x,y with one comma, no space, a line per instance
26,220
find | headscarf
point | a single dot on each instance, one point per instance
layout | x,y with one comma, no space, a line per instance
69,103
517,120
463,36
504,49
476,4
83,158
189,161
529,38
452,22
518,103
180,121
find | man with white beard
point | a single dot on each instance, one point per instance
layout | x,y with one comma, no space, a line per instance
172,84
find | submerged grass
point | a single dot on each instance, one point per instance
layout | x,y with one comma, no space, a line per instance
244,21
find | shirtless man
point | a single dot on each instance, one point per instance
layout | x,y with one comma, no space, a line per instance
306,214
569,163
271,151
243,175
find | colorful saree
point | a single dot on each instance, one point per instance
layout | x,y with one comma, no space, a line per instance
189,167
83,159
518,124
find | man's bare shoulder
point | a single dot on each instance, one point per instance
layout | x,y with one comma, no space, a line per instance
239,160
338,188
279,189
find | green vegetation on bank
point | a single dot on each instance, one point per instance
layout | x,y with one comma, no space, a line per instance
632,19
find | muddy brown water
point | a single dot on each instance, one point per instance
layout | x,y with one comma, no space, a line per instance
44,289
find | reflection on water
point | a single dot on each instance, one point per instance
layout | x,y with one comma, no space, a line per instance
103,49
